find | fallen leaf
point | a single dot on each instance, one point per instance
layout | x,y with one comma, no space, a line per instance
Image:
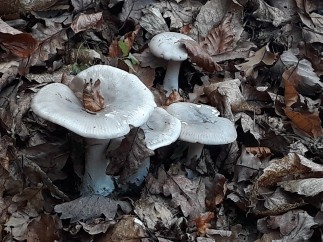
295,225
309,123
96,226
87,21
43,228
291,79
260,152
288,168
200,57
129,156
128,229
91,207
219,39
93,101
21,45
216,189
307,187
203,222
153,21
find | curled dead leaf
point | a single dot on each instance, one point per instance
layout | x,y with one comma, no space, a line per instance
93,101
203,222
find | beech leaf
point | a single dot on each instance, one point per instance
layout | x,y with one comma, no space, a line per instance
219,39
200,57
87,21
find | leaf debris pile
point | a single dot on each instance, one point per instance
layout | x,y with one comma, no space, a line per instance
258,62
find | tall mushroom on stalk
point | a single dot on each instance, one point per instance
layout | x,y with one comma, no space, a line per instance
202,126
127,103
167,45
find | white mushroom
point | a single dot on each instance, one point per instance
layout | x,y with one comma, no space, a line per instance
161,129
201,125
128,103
167,46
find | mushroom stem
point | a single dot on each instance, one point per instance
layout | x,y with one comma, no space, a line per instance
171,76
95,180
194,150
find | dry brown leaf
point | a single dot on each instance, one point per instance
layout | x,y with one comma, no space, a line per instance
291,79
43,228
247,166
128,40
307,187
91,207
295,225
216,189
260,152
262,56
200,57
21,45
219,39
288,168
129,156
128,229
92,99
187,194
87,21
7,151
203,222
309,123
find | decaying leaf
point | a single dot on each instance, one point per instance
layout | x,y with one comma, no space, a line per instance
203,222
121,48
200,57
309,123
92,99
128,157
128,229
291,79
187,194
216,189
262,56
152,211
295,225
87,21
43,228
288,168
307,187
21,45
91,207
261,152
219,39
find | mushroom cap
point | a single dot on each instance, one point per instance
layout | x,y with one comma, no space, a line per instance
201,124
128,102
167,46
161,129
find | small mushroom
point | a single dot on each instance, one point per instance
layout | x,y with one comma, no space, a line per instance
128,103
161,129
167,46
201,125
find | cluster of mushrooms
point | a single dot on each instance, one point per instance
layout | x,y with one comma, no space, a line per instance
129,103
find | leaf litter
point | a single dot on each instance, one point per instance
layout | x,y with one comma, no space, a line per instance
258,62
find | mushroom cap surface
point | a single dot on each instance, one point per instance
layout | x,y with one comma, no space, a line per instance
201,124
161,129
128,102
167,46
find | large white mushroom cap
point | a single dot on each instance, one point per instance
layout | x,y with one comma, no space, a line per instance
167,46
201,124
128,103
161,129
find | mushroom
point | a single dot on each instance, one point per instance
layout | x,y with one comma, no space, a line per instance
128,103
201,125
161,129
167,46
